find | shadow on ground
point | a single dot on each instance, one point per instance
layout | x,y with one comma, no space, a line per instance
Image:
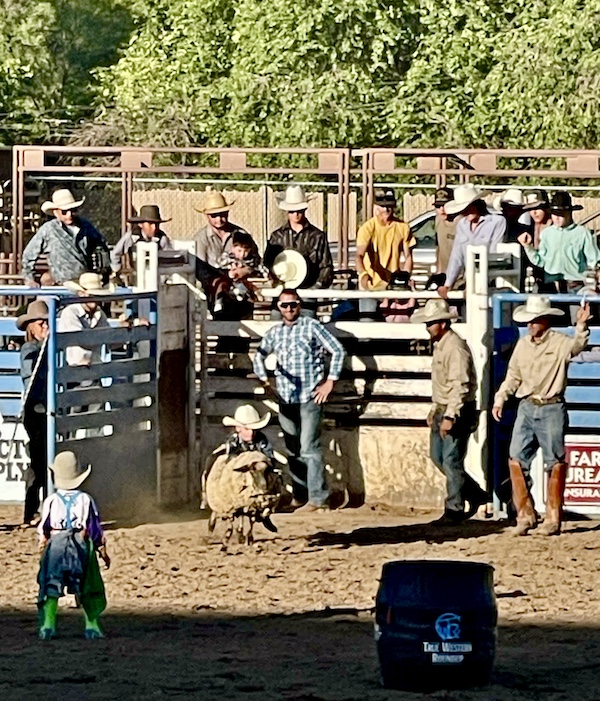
410,533
316,656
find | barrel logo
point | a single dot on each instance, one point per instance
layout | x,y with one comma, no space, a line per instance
447,626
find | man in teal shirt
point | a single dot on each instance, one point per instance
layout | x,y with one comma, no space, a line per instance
566,251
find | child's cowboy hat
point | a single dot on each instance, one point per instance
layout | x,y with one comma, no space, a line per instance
434,310
148,213
247,416
62,199
535,307
294,199
215,203
464,195
92,284
67,472
290,268
36,311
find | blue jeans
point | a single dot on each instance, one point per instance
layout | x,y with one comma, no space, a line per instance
301,425
539,427
448,455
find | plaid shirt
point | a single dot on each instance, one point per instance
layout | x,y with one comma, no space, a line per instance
300,350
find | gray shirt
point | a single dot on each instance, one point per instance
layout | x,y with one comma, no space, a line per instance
76,318
126,244
490,231
209,245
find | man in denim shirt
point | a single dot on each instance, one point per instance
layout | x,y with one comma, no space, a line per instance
299,343
73,246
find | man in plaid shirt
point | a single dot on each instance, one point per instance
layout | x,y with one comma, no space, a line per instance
299,343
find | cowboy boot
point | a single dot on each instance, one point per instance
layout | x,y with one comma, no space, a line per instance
526,516
554,502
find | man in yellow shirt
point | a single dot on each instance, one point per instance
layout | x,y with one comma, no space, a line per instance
383,247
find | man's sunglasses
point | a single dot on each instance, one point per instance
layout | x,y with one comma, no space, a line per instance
218,215
66,211
289,305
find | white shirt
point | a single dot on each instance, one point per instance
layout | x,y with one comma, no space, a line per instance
76,318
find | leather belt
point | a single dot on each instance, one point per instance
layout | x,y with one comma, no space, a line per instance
543,402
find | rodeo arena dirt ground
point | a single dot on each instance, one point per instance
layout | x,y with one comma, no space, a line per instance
292,616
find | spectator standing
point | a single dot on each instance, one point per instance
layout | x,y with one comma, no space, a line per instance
72,245
384,246
299,234
34,372
538,206
566,250
453,416
146,229
300,343
445,229
478,226
512,205
537,375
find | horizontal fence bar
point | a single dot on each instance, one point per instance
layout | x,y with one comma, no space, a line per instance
100,395
93,338
115,369
121,419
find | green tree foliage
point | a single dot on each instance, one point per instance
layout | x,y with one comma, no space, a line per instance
48,51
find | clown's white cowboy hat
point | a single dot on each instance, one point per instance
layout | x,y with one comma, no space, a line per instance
294,199
215,203
67,472
92,284
36,311
535,307
290,268
61,199
464,195
434,310
247,416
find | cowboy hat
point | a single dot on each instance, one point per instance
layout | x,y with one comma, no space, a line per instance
294,199
290,268
434,310
385,198
442,197
91,283
67,472
536,199
215,203
562,202
464,195
247,416
513,197
61,199
535,307
35,311
148,213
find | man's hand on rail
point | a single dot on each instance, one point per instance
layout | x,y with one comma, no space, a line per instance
443,292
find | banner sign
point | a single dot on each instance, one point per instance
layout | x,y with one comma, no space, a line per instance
583,476
13,439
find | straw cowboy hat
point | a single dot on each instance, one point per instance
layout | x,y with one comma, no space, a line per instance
464,195
92,284
562,202
62,199
434,310
36,311
215,203
536,199
290,268
67,472
247,416
294,199
148,213
535,307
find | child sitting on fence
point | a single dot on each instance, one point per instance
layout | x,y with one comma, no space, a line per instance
243,254
70,536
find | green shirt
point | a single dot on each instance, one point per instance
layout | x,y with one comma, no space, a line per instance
569,252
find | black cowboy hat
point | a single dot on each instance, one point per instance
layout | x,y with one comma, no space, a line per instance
561,202
536,199
149,213
385,198
443,196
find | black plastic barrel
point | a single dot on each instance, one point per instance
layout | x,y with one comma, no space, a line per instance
435,624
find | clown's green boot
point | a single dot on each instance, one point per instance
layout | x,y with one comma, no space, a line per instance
48,616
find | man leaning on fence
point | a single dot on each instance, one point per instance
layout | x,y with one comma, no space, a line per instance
72,245
453,416
300,343
537,375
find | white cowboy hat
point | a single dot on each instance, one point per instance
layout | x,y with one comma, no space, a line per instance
464,195
91,283
290,268
247,416
294,199
214,203
535,307
434,310
513,197
61,199
67,472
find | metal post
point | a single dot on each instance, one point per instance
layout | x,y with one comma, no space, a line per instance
51,389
